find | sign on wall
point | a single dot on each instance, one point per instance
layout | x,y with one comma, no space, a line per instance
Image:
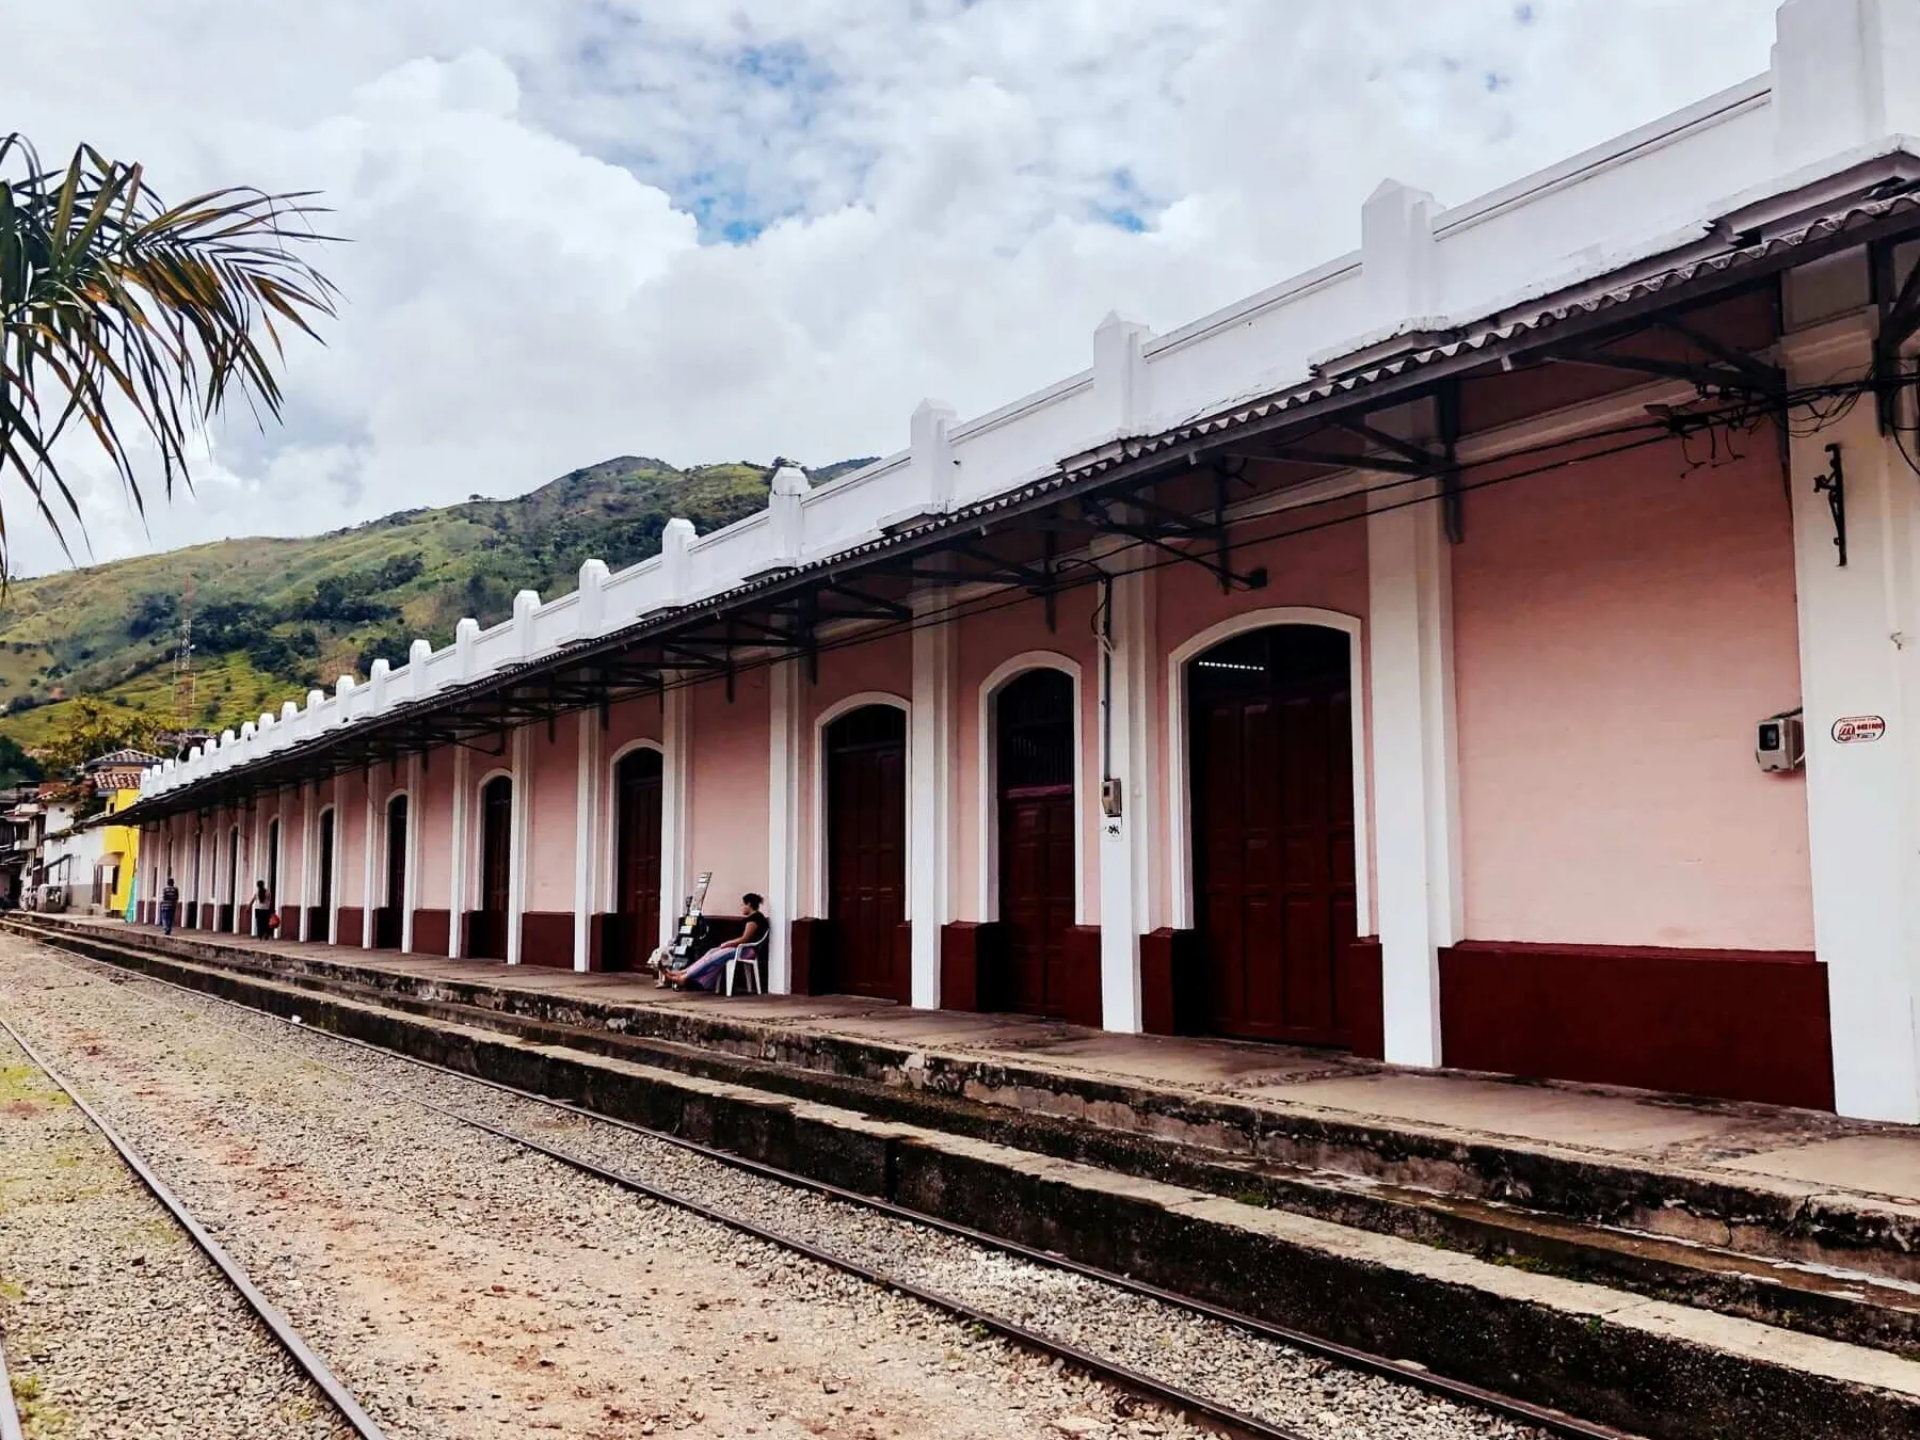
1858,729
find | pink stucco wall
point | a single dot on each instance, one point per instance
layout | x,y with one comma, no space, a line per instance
433,818
1619,628
727,789
350,830
981,644
293,855
554,783
1323,568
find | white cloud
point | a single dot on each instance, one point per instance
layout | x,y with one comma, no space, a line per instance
931,198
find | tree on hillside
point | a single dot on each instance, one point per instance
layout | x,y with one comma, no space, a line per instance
134,321
91,728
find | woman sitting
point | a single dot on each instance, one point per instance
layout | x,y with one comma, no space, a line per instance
704,973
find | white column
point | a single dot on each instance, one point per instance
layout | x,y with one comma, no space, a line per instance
1416,804
1128,840
517,840
930,746
368,844
785,816
676,790
587,827
412,865
1860,655
457,862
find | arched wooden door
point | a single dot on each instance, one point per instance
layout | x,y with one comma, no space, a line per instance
1033,764
637,798
323,922
867,847
1272,776
489,941
391,924
273,859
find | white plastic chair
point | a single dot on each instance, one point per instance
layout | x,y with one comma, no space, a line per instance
746,959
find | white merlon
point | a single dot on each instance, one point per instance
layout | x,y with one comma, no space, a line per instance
677,561
465,636
593,597
786,514
1843,76
418,655
525,606
932,461
1397,259
1121,377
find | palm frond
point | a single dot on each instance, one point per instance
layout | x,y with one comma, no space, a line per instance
116,304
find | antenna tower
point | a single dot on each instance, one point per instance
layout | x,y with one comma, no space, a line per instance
183,658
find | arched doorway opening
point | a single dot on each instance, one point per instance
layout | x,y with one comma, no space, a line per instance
487,937
1033,773
866,849
320,917
1271,756
636,883
389,922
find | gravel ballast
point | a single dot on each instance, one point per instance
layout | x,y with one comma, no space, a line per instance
114,1322
339,1125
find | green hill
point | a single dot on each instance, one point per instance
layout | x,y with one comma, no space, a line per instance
274,617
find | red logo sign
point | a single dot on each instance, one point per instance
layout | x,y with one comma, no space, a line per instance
1857,729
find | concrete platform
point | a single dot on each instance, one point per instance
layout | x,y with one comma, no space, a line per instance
1809,1150
1053,1137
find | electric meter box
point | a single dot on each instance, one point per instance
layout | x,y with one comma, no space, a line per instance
1779,743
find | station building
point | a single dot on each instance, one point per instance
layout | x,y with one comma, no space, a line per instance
1498,647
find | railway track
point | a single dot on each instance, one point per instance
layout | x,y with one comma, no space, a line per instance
269,1315
9,1413
1124,1376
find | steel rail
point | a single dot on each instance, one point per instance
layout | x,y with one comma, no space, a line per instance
1552,1422
270,1314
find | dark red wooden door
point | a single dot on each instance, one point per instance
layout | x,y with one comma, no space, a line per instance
1033,724
397,853
867,847
496,841
637,862
1271,756
326,871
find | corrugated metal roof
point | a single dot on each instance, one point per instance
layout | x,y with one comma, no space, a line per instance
1506,327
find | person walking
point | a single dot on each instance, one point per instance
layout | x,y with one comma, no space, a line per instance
262,911
169,905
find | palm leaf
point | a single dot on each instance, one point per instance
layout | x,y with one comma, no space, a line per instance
137,319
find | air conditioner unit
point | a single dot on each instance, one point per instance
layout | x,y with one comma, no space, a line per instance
1780,742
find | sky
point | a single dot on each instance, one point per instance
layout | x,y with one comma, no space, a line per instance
706,231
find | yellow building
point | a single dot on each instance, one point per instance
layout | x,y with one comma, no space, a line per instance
117,776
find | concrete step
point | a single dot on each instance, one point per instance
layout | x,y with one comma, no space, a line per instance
1625,1356
1771,1255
